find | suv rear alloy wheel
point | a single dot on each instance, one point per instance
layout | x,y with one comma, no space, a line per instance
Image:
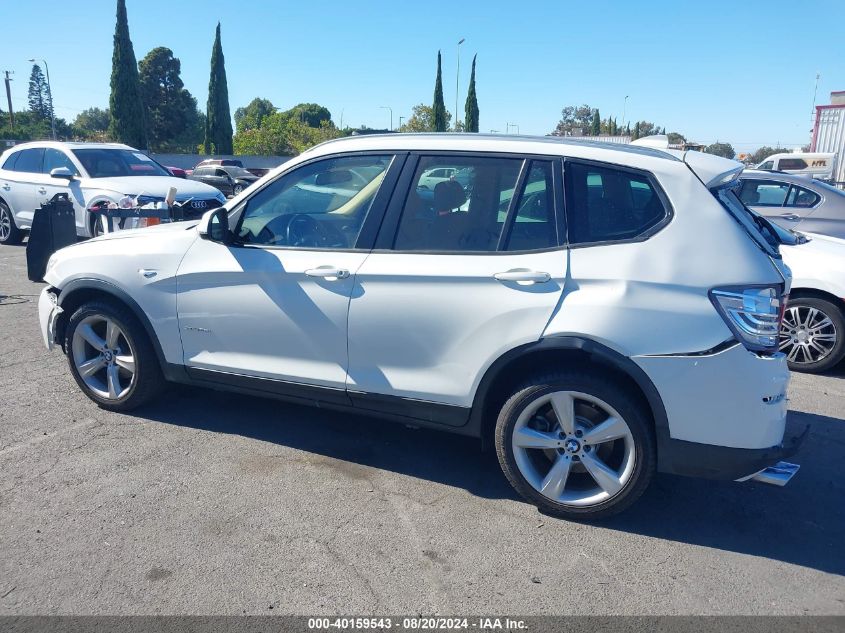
576,445
812,334
111,357
9,233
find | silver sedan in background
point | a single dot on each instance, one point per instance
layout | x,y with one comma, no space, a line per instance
795,202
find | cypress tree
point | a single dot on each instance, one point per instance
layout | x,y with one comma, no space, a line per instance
127,110
39,95
596,127
218,123
471,108
439,108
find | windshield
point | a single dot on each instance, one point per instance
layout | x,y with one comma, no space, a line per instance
107,163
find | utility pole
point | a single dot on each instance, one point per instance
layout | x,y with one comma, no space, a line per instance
9,97
458,85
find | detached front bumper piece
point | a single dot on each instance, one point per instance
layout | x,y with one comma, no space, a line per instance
48,313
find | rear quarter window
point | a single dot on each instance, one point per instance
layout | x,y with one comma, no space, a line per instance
605,203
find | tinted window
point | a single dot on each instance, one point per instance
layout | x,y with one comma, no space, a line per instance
220,172
534,225
792,163
800,197
106,163
608,204
320,205
10,162
30,161
462,212
54,158
763,193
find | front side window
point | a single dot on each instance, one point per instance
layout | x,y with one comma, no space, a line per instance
54,158
605,203
30,161
319,205
800,197
763,193
767,166
457,213
107,163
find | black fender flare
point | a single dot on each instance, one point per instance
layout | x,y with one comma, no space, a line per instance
124,297
600,353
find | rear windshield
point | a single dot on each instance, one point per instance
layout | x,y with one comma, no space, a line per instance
760,229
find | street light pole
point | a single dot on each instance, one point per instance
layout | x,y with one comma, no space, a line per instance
49,92
391,115
458,84
624,110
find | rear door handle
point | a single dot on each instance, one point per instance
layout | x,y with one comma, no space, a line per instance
789,216
522,275
42,190
6,186
329,273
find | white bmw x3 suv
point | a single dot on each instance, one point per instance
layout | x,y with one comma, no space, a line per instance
598,312
89,173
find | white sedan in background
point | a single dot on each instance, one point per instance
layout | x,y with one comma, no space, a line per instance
813,331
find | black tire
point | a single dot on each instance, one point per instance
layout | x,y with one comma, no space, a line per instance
11,234
632,410
836,313
148,380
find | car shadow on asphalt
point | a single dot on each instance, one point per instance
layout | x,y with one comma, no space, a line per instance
801,524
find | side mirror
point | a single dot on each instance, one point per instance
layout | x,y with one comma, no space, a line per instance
215,226
61,172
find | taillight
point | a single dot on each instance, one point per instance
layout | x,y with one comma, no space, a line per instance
753,314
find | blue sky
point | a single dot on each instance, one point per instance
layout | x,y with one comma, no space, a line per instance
741,72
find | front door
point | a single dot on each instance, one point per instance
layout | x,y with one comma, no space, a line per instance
273,306
460,274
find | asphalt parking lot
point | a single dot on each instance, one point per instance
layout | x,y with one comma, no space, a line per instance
211,503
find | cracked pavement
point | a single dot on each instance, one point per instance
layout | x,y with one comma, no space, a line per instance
212,503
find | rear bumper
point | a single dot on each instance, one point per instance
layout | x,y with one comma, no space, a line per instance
725,412
720,462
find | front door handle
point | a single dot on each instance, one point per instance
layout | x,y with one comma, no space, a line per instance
329,273
42,191
521,275
6,186
789,216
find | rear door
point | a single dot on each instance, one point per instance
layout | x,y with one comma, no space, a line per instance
769,199
459,275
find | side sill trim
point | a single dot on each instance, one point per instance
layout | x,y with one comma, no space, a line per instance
395,407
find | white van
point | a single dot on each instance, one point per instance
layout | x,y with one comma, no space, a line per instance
814,164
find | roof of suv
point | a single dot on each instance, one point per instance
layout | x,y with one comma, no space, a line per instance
70,145
488,142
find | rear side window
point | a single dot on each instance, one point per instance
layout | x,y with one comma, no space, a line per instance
459,213
609,204
30,160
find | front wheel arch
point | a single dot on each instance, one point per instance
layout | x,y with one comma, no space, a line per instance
81,291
